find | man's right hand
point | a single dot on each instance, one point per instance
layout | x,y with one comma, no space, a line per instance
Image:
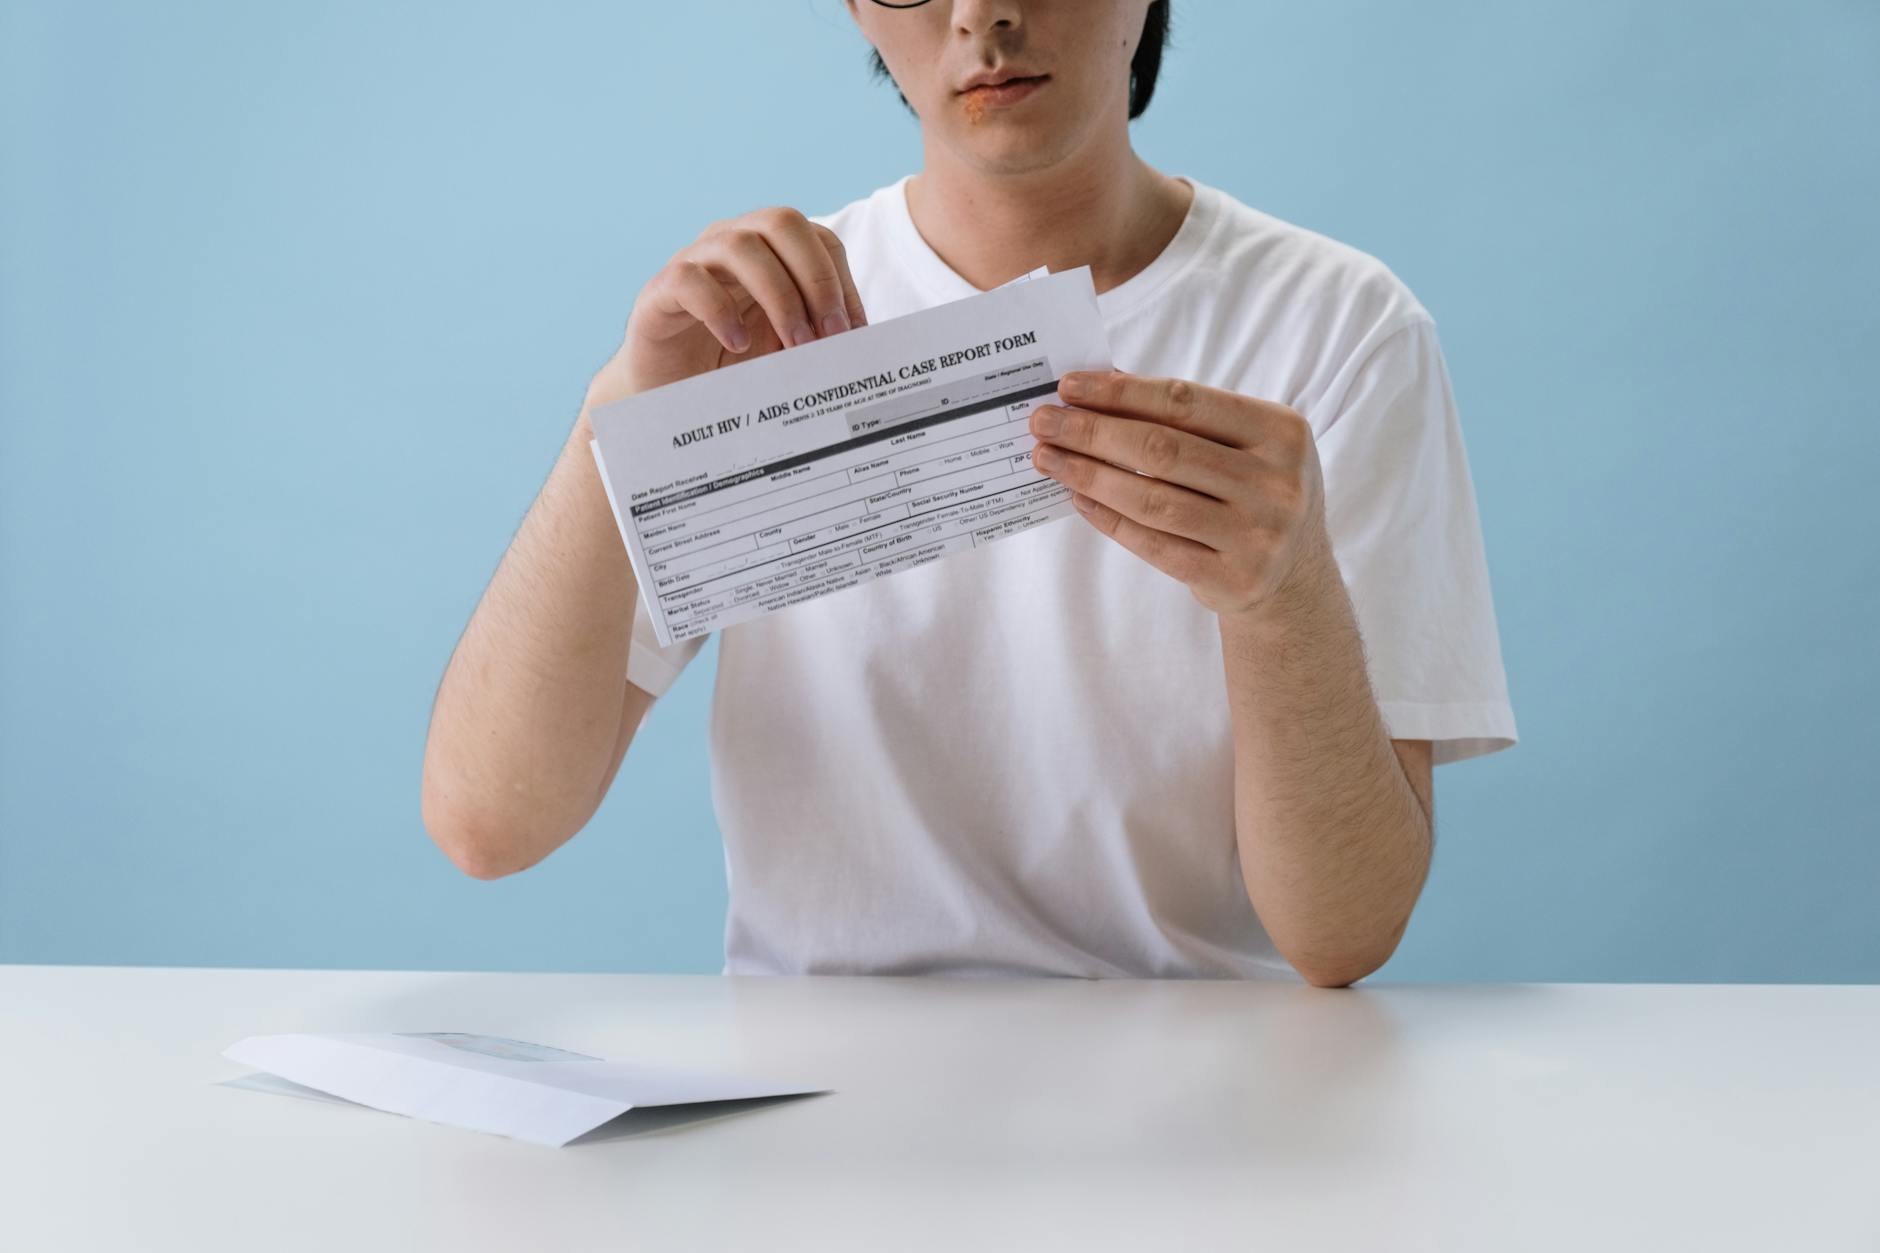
747,286
536,710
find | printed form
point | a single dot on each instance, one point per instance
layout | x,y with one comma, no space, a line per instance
775,481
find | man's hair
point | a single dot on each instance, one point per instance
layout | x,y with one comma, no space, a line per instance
1143,67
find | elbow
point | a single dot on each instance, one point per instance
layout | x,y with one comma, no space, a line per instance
1338,953
467,859
1343,968
1332,975
461,837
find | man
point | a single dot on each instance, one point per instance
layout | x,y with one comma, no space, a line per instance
1146,741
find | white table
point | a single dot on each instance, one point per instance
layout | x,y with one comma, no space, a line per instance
969,1114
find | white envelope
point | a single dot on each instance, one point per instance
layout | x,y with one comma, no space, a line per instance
486,1083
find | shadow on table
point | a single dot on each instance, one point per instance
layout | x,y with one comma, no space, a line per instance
653,1119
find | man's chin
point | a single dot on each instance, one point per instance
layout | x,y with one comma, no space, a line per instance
1014,152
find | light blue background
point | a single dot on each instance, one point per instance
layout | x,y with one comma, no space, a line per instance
297,303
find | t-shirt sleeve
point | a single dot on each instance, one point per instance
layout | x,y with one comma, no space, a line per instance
650,667
1400,506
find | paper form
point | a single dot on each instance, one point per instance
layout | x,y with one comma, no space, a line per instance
808,471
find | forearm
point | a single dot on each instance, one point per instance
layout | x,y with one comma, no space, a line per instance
1334,840
528,717
1225,493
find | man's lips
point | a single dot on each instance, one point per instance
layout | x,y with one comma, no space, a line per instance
1010,90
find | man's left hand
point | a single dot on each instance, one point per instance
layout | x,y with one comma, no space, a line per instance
1229,499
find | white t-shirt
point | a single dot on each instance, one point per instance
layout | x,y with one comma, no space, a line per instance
1019,760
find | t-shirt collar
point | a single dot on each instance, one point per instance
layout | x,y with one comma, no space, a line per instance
942,282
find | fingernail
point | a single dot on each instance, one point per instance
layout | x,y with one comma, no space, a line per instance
801,334
835,323
1045,457
1073,385
1046,421
740,339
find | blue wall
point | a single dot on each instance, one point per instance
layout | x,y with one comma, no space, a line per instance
297,303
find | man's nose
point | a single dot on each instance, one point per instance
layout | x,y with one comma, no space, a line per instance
977,16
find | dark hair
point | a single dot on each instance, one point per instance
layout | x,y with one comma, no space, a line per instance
1143,67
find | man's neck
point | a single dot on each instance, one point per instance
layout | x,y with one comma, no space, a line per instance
1114,214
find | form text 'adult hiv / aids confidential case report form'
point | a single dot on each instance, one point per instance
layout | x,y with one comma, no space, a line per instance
771,482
